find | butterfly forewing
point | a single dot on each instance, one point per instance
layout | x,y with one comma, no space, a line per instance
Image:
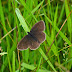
40,36
24,43
40,26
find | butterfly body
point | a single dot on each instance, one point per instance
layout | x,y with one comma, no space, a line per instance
34,38
32,35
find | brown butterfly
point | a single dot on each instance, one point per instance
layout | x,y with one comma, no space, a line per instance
34,38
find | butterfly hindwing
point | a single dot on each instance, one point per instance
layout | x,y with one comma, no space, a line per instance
34,44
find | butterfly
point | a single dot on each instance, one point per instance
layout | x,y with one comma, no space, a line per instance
34,38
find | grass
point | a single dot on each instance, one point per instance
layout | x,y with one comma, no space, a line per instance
17,18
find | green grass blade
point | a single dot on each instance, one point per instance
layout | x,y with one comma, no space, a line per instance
13,63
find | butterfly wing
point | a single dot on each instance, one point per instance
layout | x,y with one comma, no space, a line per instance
34,44
40,26
40,37
37,32
24,43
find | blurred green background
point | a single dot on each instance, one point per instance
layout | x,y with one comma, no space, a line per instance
17,18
